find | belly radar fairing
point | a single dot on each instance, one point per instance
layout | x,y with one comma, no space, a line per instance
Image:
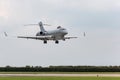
55,35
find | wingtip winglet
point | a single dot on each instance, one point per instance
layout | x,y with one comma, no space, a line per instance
6,35
84,34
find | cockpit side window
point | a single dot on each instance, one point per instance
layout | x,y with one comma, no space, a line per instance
58,27
63,29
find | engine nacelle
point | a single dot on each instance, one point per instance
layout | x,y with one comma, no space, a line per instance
41,33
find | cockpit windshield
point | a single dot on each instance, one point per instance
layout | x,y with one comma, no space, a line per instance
59,27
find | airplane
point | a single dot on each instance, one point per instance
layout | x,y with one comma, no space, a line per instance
55,35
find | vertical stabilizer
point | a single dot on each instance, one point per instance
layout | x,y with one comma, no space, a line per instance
41,27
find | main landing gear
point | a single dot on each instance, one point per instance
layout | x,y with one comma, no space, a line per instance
56,42
45,42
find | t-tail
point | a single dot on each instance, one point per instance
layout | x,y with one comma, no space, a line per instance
41,27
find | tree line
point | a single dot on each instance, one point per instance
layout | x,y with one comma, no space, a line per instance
61,69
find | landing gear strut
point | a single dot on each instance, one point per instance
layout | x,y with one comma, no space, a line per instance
45,42
56,41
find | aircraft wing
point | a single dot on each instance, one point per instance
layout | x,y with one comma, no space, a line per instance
69,37
37,37
44,37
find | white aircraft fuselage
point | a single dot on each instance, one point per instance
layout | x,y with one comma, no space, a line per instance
58,34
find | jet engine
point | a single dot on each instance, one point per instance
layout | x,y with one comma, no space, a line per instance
41,33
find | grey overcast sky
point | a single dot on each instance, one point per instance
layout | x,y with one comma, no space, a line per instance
100,19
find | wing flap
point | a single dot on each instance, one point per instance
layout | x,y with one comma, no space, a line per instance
69,37
37,37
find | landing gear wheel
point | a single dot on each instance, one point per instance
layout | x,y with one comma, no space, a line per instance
45,42
56,41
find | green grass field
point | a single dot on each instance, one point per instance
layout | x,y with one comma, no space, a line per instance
59,78
59,72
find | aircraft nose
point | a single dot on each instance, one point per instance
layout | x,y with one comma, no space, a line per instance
65,32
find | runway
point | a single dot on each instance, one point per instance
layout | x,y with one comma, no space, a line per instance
63,75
